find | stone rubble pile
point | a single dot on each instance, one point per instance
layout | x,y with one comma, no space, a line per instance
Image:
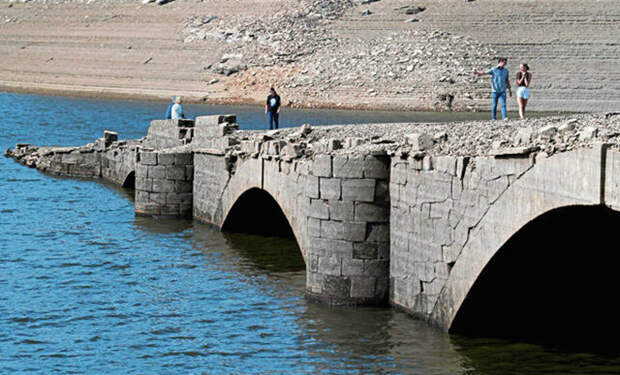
294,31
544,136
407,63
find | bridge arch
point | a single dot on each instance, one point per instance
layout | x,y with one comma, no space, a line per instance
256,211
564,180
130,180
552,281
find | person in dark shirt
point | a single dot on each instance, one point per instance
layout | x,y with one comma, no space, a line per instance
524,77
272,108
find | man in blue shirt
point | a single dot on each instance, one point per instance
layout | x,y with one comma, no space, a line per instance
500,81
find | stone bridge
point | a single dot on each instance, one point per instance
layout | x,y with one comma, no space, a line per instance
376,222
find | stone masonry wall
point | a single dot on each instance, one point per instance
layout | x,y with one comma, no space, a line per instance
164,183
337,206
169,133
348,229
105,158
436,202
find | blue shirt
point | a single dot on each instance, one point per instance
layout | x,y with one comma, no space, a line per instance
498,81
169,111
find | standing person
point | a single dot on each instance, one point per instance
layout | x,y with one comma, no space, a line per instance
272,108
500,81
177,109
524,77
169,109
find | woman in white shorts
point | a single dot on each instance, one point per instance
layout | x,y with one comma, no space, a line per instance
524,77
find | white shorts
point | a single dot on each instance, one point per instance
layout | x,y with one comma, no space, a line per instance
523,92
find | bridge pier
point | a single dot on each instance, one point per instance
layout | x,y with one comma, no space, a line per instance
164,183
347,258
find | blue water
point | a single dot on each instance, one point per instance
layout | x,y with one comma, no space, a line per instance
88,288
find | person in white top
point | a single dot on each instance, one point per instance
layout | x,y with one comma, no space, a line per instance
177,109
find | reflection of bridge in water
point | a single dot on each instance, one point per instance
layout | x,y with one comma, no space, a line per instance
468,243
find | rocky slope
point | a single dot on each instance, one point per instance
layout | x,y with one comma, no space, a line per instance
394,54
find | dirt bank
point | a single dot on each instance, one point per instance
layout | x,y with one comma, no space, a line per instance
387,54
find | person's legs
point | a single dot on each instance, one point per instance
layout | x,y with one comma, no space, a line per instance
270,119
494,105
502,102
524,104
276,119
521,107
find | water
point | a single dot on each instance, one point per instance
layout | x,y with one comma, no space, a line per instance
86,287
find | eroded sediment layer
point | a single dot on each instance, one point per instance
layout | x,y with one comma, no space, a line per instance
346,53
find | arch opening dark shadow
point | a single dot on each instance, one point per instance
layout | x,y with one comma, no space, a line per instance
130,181
554,282
256,212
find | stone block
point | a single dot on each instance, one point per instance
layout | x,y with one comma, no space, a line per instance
378,233
382,191
372,212
377,167
588,133
547,132
523,136
330,188
314,282
322,166
165,159
312,187
183,186
70,158
428,163
330,265
109,137
141,196
420,141
184,159
446,164
318,209
189,172
360,190
174,172
331,247
314,227
348,167
433,187
354,231
341,210
163,186
158,198
148,158
337,230
353,267
335,286
398,173
365,250
213,120
157,171
144,184
363,287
